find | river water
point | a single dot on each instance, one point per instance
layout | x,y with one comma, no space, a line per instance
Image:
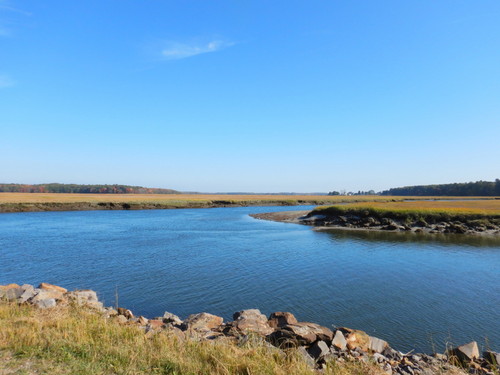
415,291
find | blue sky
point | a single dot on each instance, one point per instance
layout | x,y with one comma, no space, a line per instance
261,96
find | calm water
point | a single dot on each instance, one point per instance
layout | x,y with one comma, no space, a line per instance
414,291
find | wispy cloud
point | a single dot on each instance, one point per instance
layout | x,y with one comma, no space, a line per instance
6,81
176,51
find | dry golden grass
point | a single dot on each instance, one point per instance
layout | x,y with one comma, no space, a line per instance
166,198
74,198
72,341
464,207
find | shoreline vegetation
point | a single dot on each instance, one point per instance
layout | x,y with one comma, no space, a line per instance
49,329
38,202
461,217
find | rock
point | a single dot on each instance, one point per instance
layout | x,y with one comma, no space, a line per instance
298,334
155,324
171,318
392,354
28,293
110,311
251,320
86,297
339,341
377,345
11,292
279,319
121,319
45,303
302,352
357,339
125,312
202,322
467,352
142,320
379,358
319,350
492,357
47,286
42,294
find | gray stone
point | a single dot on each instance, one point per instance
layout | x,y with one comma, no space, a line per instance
319,350
13,294
42,294
171,318
83,296
377,345
467,352
28,293
121,319
45,303
379,358
305,356
339,340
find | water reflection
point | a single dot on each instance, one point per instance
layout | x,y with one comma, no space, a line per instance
481,241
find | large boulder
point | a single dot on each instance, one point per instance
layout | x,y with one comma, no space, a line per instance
356,339
10,292
86,297
202,322
42,294
339,342
319,350
28,292
249,321
377,345
171,318
279,319
47,286
298,334
466,353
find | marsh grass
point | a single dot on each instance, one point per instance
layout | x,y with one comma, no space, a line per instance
73,341
479,212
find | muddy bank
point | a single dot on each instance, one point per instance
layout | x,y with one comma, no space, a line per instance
90,206
365,221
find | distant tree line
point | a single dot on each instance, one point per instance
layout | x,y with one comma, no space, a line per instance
478,189
82,189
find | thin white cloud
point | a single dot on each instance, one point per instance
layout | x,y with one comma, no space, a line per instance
176,51
6,81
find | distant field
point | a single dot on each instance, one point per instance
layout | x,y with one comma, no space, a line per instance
166,198
486,207
23,202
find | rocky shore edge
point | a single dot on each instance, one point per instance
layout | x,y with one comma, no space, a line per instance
281,330
365,221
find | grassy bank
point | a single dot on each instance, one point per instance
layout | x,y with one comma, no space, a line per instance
427,211
23,202
69,340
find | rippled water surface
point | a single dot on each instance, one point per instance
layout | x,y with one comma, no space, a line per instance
415,291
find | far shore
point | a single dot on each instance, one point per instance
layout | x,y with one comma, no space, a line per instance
39,202
329,221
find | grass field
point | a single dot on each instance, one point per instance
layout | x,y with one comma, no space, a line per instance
20,202
459,207
160,198
72,341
